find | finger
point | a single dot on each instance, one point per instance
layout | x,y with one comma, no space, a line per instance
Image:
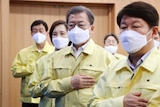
142,104
143,100
87,85
87,77
88,80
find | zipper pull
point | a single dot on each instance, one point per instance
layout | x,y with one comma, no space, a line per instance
132,76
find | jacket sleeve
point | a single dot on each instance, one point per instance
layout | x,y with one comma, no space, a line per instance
53,87
34,82
20,68
100,99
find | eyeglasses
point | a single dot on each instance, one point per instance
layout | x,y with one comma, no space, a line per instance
111,41
80,25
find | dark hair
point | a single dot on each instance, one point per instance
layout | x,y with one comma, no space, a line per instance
54,24
159,33
79,9
113,35
140,10
38,22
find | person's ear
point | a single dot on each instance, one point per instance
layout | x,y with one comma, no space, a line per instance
92,28
155,32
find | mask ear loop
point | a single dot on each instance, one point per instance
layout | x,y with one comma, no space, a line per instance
148,34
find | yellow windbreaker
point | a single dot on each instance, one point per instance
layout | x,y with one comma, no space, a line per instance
119,56
119,80
22,67
34,82
56,82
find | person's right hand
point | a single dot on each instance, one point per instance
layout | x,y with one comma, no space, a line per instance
134,100
82,81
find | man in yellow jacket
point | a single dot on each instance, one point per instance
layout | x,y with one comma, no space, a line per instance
133,82
73,71
23,65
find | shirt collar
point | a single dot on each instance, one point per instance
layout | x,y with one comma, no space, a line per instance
45,48
87,48
148,62
139,62
79,51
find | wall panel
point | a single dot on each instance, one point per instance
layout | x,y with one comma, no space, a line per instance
0,54
5,58
102,22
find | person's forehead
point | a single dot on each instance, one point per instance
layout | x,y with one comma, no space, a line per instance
130,19
82,16
60,27
110,37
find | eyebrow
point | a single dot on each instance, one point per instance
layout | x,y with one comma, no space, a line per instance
76,22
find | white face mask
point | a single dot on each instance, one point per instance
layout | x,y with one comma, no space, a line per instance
156,43
133,41
39,37
78,35
60,42
112,49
